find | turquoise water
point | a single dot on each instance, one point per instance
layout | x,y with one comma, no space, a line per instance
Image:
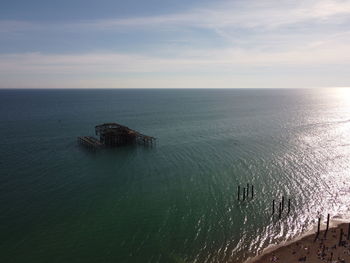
176,202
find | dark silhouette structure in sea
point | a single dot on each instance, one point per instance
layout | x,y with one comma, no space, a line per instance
115,135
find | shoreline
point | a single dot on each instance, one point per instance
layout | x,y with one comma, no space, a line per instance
305,249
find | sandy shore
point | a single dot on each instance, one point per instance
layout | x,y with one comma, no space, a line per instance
324,249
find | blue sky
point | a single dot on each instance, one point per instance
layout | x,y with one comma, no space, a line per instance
174,44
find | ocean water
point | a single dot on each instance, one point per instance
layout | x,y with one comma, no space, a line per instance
176,202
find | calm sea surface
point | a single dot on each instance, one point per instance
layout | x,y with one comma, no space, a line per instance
176,202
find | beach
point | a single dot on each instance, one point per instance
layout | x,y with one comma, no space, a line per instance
332,247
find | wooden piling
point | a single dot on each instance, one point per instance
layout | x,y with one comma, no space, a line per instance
280,211
243,193
318,227
273,206
340,237
252,191
349,232
247,190
239,190
288,206
282,203
327,226
323,250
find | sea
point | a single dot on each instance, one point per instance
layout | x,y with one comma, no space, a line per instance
178,200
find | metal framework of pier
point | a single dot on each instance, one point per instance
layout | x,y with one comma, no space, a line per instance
90,142
115,135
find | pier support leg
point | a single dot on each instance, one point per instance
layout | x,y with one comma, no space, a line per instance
239,190
318,228
340,237
327,226
288,206
280,211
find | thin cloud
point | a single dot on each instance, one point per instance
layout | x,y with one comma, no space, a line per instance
257,35
8,26
240,14
226,60
243,14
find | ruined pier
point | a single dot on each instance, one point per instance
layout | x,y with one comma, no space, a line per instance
115,135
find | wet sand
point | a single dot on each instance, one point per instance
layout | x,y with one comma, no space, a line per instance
327,248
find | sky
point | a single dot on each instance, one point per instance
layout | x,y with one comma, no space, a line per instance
174,44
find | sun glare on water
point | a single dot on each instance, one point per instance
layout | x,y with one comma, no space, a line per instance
343,94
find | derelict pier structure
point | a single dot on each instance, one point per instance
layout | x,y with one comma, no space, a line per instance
115,135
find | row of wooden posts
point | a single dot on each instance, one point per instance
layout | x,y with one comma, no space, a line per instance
246,196
280,207
245,193
327,227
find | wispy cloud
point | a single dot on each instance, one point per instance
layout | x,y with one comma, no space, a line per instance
224,60
257,34
8,26
245,14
